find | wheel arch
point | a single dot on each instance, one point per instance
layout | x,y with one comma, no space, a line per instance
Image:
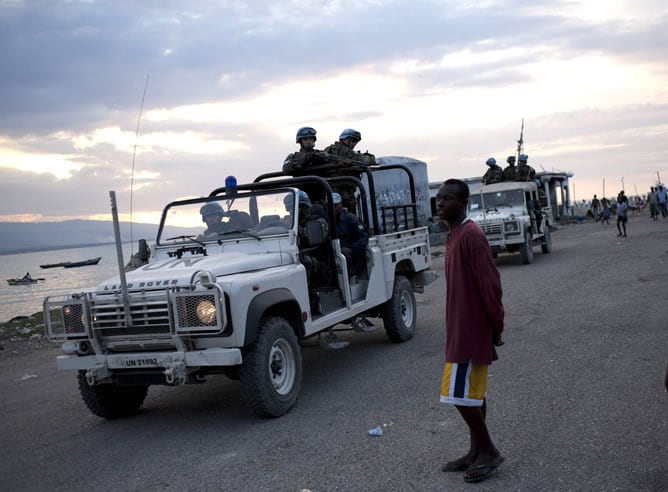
405,267
274,302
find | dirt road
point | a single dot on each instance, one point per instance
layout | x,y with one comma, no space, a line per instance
576,401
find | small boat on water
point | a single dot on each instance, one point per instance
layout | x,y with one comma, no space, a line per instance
23,281
73,264
53,265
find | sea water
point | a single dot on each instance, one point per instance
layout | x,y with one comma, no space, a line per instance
24,300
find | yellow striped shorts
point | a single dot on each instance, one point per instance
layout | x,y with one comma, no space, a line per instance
464,384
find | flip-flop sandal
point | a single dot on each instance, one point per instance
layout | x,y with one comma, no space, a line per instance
455,466
480,472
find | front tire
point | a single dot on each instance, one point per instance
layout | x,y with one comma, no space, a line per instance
546,245
400,311
271,374
111,401
526,250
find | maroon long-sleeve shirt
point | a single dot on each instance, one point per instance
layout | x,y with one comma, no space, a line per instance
473,302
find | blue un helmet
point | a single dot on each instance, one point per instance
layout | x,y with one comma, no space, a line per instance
211,208
511,158
491,162
304,200
523,158
350,133
305,132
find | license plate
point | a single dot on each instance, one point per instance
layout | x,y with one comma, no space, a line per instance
134,362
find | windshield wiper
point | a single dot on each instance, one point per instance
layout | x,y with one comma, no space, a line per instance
246,232
190,238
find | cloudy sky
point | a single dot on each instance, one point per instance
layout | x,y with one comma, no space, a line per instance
230,82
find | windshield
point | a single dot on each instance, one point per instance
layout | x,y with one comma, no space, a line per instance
253,215
491,201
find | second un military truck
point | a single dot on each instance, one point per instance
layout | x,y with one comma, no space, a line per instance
239,302
514,215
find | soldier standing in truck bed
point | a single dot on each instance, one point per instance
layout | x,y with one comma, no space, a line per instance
343,151
306,156
494,174
525,171
510,172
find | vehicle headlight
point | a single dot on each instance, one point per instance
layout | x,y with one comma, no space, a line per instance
73,318
511,227
206,312
199,312
65,319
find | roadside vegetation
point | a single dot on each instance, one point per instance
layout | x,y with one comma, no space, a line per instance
23,328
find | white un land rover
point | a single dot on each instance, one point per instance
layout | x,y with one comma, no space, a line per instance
239,301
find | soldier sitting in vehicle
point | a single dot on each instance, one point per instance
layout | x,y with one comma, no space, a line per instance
310,255
353,237
313,257
212,215
494,174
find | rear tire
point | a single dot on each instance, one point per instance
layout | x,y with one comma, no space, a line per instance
526,250
400,311
111,401
271,374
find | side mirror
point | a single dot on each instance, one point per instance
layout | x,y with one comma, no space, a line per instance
144,251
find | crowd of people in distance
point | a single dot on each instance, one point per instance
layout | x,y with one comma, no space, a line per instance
601,210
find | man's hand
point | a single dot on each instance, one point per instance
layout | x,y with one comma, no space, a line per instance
496,339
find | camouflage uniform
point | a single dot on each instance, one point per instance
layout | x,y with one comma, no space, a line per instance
525,172
510,173
340,150
493,175
299,162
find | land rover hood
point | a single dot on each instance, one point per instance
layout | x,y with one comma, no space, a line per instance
174,271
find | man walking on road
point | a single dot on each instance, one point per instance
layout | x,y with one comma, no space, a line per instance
473,324
662,196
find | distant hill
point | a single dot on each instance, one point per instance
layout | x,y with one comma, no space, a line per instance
23,237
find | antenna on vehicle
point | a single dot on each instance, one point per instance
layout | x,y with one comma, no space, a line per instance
520,142
134,154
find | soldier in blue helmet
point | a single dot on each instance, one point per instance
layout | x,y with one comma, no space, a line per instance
212,215
345,146
524,171
343,151
510,172
303,201
307,155
494,174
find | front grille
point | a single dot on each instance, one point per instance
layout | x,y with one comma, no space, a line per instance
492,229
149,313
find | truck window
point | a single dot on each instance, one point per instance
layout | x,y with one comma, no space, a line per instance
512,198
